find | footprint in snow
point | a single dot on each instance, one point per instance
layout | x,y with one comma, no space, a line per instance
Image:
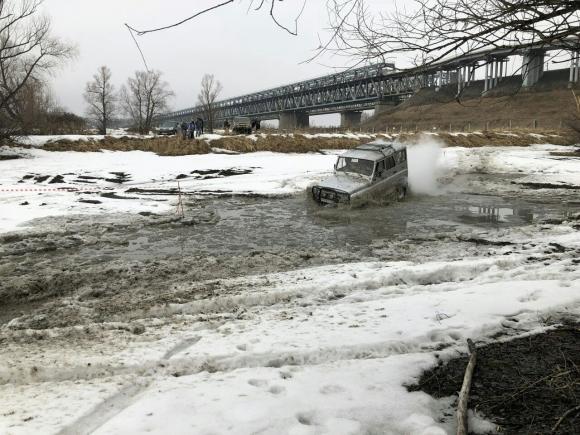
332,389
276,389
258,383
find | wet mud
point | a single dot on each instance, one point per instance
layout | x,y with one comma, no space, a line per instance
78,270
528,385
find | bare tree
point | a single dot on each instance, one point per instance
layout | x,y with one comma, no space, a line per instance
28,51
101,99
210,90
144,97
431,30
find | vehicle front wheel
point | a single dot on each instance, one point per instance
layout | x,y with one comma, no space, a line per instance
401,193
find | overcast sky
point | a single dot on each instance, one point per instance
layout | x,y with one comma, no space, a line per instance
245,50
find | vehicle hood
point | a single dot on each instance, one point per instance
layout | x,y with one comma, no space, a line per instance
344,182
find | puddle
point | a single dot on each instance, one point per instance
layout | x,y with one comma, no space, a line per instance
260,224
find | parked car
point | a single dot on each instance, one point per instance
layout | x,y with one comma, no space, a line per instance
372,171
242,125
168,128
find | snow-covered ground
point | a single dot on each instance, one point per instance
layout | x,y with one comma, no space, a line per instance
317,350
93,174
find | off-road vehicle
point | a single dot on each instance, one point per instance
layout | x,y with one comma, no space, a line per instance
376,170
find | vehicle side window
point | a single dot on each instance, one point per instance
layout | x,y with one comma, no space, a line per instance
380,168
390,162
401,156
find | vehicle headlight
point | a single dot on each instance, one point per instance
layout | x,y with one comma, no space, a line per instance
316,191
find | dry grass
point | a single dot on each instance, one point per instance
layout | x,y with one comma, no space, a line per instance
163,146
547,109
174,146
284,144
518,138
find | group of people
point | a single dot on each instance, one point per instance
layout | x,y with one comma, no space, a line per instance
192,129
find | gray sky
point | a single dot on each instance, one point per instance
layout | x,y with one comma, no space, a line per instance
245,50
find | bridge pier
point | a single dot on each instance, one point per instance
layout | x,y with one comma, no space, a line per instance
574,68
494,72
532,68
350,119
294,120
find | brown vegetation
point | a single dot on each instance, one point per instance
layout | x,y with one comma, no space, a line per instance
284,144
518,138
175,146
163,146
548,105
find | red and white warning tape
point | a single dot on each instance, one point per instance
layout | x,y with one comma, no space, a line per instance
57,189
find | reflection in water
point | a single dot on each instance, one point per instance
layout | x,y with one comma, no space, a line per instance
496,215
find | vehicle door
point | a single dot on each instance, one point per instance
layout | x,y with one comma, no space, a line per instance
386,179
377,184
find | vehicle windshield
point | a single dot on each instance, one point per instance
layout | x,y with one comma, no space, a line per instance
168,125
355,166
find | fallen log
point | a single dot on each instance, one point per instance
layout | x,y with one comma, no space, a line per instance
462,427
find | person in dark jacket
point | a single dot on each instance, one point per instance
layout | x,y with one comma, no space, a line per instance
199,124
184,130
191,129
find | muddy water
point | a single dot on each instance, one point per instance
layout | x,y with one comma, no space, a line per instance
244,225
115,268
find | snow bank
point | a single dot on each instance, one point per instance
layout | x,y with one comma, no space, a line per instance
89,175
534,161
347,135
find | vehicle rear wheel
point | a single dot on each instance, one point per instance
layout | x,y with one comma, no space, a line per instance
401,193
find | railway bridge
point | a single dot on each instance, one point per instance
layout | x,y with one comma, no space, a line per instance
381,85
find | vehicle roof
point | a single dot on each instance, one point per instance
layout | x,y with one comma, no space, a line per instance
376,150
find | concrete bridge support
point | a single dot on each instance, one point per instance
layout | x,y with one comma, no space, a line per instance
495,70
294,120
465,76
350,119
532,68
575,68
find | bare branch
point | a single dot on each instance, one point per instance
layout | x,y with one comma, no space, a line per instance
197,14
433,30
